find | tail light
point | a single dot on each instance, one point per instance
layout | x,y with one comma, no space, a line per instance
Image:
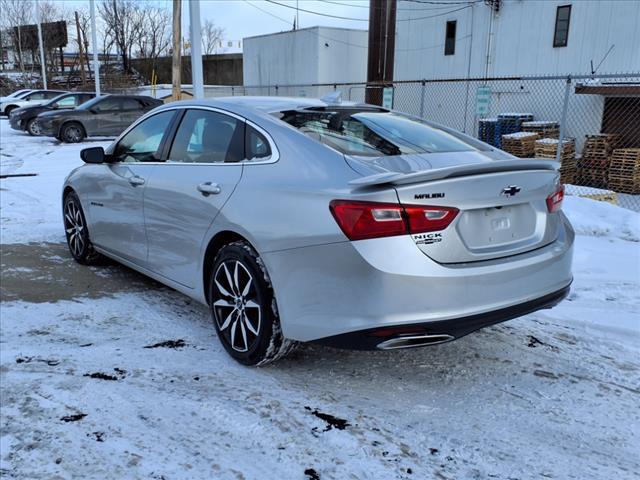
554,201
362,220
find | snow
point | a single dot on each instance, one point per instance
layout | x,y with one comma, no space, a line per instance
520,135
541,123
551,395
555,141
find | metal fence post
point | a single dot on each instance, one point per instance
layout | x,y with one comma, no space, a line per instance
563,120
422,99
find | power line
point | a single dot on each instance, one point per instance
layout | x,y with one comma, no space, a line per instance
441,2
307,30
434,16
318,13
467,5
267,12
441,7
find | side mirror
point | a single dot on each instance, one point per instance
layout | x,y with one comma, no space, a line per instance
93,155
93,110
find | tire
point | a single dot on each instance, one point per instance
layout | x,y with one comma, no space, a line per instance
32,127
77,233
9,109
72,132
243,307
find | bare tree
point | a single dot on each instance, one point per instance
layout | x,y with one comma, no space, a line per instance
122,25
211,37
15,14
154,36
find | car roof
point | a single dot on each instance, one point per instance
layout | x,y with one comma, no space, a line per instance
254,107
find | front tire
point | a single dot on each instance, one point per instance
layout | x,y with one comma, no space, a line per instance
9,109
72,132
32,127
243,306
77,233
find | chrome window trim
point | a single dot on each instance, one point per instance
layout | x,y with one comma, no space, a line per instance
275,153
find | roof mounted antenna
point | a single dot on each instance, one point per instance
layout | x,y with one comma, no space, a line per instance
333,98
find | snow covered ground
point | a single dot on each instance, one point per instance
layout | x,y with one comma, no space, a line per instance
107,374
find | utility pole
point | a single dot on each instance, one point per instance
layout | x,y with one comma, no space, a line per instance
94,39
42,64
177,51
381,51
195,35
80,52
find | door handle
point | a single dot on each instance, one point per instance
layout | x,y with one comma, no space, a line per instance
136,180
209,188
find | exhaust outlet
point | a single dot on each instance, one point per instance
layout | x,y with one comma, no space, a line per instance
414,341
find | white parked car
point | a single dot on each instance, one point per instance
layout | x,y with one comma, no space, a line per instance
30,99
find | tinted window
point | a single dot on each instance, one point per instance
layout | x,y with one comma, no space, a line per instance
142,143
561,33
67,102
256,145
35,96
131,104
450,38
208,137
375,133
108,104
50,95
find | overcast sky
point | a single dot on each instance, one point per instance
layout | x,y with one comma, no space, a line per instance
246,18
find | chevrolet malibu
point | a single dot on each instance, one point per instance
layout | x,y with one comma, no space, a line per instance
299,220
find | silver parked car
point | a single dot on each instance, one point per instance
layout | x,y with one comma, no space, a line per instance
304,220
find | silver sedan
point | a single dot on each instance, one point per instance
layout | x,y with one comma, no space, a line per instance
313,221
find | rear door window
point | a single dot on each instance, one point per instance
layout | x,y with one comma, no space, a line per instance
208,137
108,104
67,102
131,104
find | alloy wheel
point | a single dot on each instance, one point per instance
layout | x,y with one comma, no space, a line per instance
236,310
34,127
73,133
75,228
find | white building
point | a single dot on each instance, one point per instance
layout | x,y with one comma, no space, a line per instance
498,38
515,38
302,57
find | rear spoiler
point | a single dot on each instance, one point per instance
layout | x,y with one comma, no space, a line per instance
495,166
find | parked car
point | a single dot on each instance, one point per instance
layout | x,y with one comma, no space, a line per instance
106,115
25,118
29,99
342,224
16,94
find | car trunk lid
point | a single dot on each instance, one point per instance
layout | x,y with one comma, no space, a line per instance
502,204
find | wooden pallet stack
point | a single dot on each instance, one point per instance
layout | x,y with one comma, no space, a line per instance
624,171
520,144
547,148
593,166
544,129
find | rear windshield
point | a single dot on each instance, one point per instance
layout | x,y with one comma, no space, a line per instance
374,133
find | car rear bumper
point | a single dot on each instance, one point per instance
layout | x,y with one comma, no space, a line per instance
431,333
336,289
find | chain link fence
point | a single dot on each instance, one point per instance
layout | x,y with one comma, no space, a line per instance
590,124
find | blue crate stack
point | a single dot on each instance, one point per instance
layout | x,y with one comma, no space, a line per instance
487,130
509,123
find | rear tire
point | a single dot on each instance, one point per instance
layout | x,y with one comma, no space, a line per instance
77,233
32,127
72,132
243,307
